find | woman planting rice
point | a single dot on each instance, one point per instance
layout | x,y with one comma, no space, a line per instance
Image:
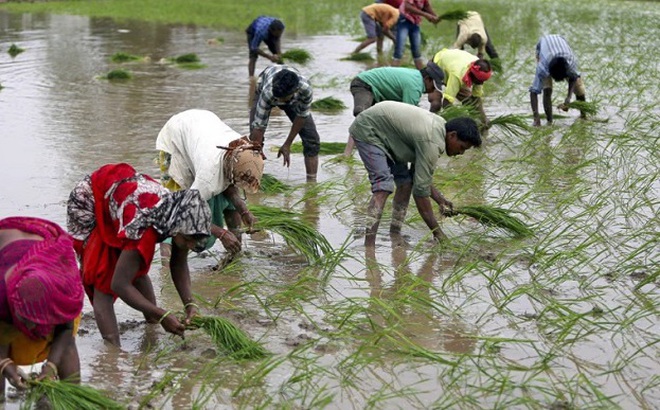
116,217
41,297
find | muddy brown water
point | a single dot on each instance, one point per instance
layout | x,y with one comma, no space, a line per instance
59,121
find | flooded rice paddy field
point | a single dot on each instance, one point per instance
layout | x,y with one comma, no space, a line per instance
565,319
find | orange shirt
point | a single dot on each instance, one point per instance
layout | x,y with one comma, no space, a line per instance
384,14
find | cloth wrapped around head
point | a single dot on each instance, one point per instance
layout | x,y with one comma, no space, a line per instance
475,71
44,288
244,164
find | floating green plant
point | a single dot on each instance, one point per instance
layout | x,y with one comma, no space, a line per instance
297,55
187,58
454,15
272,185
15,50
229,338
362,56
328,104
118,74
124,57
587,107
327,148
494,216
64,395
298,234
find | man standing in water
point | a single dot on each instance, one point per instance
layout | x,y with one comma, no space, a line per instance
266,29
284,87
390,135
554,61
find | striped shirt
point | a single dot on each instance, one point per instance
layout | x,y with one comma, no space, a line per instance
260,30
547,48
301,101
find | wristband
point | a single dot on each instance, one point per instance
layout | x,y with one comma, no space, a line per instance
193,304
4,363
222,234
52,366
166,314
247,211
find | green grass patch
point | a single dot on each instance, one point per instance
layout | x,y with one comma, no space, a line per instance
65,395
587,107
187,58
271,185
454,15
15,50
229,338
124,58
361,56
327,148
514,124
496,64
118,74
297,55
494,216
328,104
457,111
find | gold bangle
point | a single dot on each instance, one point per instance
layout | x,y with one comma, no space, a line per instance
166,314
4,364
52,366
191,304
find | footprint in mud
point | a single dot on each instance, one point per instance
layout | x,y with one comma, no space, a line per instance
297,341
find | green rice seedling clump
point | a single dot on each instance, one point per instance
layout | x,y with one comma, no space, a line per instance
589,108
326,148
359,57
328,104
271,185
513,124
118,75
123,58
454,15
64,395
298,234
187,58
457,111
297,55
14,50
496,64
494,216
229,338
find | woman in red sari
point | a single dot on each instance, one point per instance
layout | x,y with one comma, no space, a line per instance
41,297
117,216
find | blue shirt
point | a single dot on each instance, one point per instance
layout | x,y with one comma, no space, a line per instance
260,31
547,48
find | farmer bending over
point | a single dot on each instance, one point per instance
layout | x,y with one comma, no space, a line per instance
266,29
378,20
471,31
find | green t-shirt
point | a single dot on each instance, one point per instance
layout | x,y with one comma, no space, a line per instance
395,84
406,134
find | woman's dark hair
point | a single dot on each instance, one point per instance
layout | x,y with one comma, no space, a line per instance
466,130
558,68
285,83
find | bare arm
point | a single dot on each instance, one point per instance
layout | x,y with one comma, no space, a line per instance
285,149
257,135
128,265
435,98
425,209
181,279
414,10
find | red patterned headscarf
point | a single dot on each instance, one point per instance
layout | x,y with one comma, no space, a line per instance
44,288
475,70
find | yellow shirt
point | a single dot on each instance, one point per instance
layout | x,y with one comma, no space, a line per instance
455,63
469,26
384,14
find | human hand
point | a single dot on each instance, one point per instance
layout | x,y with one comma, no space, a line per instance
171,324
275,58
563,106
191,311
230,242
48,371
446,206
439,236
249,220
13,374
285,153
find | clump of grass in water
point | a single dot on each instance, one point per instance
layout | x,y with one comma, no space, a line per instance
272,185
64,395
326,148
511,123
328,104
124,57
359,57
229,338
297,55
118,75
496,64
494,216
297,233
190,60
456,111
454,15
589,108
15,50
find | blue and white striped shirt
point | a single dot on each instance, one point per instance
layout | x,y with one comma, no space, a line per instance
301,101
547,48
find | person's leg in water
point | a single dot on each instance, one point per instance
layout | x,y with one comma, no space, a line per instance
403,178
106,320
311,142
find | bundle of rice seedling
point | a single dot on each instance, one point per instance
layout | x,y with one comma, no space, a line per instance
358,57
494,216
118,75
64,395
229,338
297,55
456,111
496,64
513,124
326,148
328,104
123,58
454,15
187,58
272,185
14,50
298,234
589,108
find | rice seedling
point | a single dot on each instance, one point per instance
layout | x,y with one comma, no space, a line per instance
118,74
298,235
272,185
328,104
327,148
124,58
15,50
490,215
513,124
63,395
297,55
456,111
496,64
587,107
229,338
187,58
454,15
362,56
